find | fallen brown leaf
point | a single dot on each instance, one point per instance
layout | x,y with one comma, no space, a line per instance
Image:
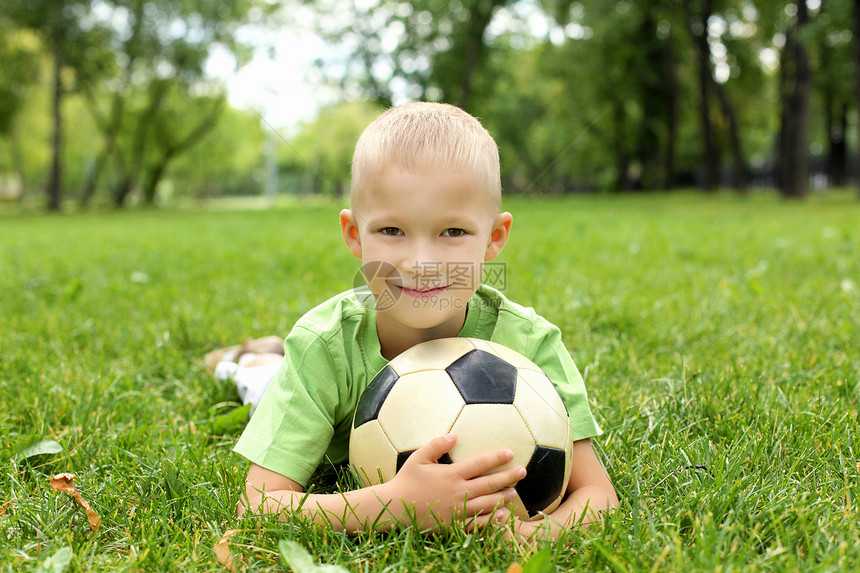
515,568
222,549
3,509
66,483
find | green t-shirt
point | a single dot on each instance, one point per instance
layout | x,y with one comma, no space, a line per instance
333,353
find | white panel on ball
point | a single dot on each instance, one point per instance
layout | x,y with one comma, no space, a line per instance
410,427
542,409
369,442
437,355
490,427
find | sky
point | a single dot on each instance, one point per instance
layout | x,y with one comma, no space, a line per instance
276,82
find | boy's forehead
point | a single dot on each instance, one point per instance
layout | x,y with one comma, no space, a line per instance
393,178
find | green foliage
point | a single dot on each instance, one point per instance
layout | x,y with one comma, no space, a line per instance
20,64
609,95
540,562
322,149
25,150
56,563
223,162
580,95
711,331
300,561
140,67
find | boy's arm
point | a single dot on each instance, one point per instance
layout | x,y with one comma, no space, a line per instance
432,493
589,493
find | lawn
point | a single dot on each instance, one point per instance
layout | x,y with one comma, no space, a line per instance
719,338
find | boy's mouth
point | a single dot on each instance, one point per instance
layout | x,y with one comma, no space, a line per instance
422,293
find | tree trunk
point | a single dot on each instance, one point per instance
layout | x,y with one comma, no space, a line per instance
739,175
622,157
779,144
856,46
54,188
131,162
153,179
122,191
671,95
175,148
474,47
710,158
93,177
835,107
18,163
795,162
837,151
652,101
110,126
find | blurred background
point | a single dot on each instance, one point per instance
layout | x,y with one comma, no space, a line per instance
116,103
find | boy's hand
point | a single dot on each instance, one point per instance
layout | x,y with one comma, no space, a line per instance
446,492
515,530
589,494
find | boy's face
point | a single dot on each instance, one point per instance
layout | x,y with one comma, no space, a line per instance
424,236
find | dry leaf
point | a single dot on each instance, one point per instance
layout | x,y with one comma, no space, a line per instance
66,483
515,568
222,549
3,509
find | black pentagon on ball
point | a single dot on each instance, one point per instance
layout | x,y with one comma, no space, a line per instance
544,479
484,378
374,396
403,456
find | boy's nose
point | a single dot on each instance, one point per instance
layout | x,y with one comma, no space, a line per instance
422,260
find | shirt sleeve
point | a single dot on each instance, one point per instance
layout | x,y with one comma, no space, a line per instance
293,425
554,359
540,341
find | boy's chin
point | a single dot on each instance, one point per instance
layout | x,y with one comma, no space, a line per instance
427,314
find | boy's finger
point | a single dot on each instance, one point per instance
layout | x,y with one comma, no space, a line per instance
483,463
490,506
484,519
491,483
434,449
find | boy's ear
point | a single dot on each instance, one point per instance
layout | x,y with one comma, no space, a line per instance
499,235
349,229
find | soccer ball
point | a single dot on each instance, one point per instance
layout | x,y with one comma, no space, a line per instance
489,395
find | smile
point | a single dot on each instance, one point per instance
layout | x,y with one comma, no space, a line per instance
425,293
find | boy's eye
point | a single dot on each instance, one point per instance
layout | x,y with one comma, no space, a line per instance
453,232
391,231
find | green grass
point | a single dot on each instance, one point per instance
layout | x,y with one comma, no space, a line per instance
712,331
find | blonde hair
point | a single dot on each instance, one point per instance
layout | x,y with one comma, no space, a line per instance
422,135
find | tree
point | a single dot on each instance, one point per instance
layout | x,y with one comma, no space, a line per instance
18,52
833,82
856,49
19,72
224,162
323,148
59,25
455,68
158,103
198,116
427,49
633,60
796,76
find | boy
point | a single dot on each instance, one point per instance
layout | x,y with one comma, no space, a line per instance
425,205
